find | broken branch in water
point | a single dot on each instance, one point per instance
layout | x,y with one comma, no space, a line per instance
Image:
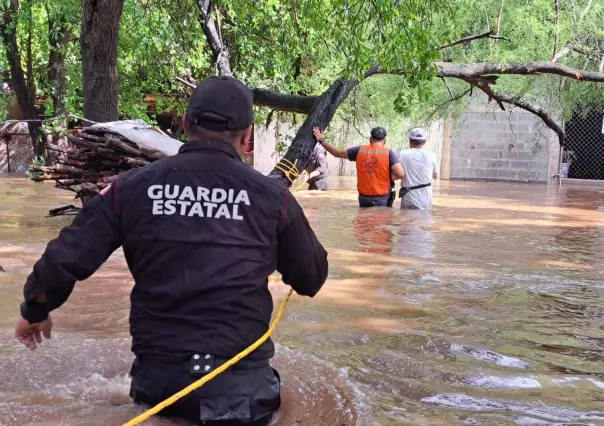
96,156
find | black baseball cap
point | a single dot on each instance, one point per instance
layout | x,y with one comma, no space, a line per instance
378,133
220,104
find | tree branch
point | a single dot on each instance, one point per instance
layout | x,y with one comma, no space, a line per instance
483,74
520,103
57,118
211,29
276,100
448,101
186,83
489,71
488,34
448,88
283,101
562,53
584,12
29,61
601,66
477,72
557,9
59,36
570,48
295,11
483,70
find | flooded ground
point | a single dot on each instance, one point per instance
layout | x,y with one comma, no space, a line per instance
488,310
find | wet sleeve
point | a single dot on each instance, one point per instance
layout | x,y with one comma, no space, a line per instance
353,152
78,251
302,260
393,158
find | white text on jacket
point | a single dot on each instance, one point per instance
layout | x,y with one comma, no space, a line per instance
197,201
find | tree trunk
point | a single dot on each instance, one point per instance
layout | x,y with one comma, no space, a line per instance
23,93
99,43
304,142
59,37
29,63
213,33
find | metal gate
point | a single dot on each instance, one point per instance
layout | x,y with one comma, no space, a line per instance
583,154
16,152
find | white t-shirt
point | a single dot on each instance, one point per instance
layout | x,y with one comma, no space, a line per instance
419,166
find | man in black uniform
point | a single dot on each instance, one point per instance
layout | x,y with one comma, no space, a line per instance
201,232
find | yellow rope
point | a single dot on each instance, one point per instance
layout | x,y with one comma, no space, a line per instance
289,169
302,184
199,383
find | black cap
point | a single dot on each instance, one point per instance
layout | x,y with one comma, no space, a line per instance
378,133
221,104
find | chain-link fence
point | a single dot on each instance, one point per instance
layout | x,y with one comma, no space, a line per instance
16,151
583,155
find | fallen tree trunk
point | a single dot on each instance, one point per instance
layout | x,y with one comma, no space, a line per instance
320,116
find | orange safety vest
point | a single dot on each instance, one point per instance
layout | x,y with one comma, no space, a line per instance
373,170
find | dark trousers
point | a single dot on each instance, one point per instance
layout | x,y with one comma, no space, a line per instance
240,396
366,201
318,185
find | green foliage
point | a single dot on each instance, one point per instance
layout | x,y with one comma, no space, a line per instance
302,46
532,27
158,42
38,161
5,101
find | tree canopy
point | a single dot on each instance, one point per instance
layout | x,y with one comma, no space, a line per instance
413,58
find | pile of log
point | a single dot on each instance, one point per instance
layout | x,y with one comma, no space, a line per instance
94,157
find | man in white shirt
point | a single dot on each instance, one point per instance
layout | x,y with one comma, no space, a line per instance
420,169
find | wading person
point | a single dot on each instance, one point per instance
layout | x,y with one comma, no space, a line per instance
201,232
377,167
420,169
317,170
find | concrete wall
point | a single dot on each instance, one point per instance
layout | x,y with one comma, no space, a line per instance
491,144
265,143
434,140
485,144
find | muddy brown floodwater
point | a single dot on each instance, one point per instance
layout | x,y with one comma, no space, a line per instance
487,310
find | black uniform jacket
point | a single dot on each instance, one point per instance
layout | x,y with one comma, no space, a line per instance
201,232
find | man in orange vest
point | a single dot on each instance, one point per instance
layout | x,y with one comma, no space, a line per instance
377,167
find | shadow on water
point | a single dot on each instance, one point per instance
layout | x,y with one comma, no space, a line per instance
487,310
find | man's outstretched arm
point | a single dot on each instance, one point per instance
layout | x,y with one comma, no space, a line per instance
78,251
336,152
